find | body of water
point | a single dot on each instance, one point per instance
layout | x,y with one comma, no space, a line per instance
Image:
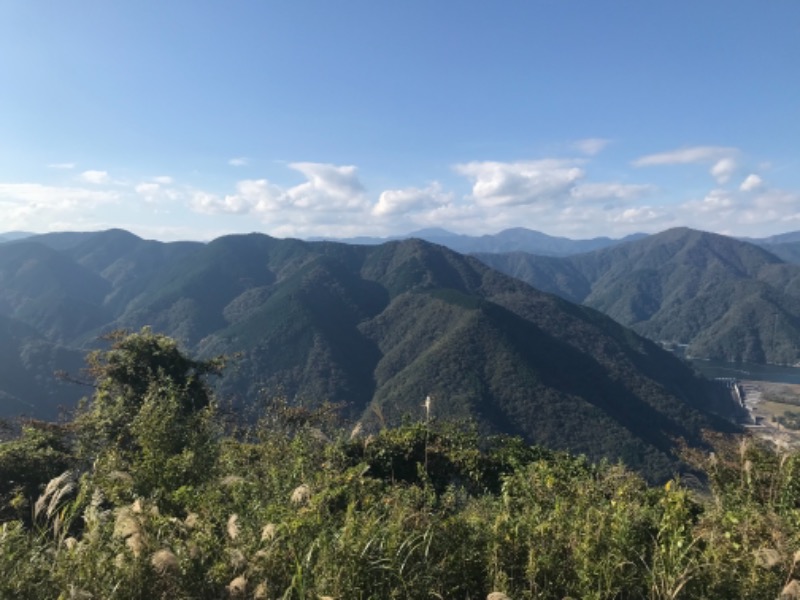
774,373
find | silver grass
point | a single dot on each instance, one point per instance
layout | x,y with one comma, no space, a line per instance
164,561
233,526
301,495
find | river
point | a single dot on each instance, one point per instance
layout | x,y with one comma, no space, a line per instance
773,373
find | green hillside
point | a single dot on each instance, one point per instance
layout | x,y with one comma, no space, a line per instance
726,299
377,329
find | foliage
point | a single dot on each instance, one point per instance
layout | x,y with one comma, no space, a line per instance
152,413
27,462
169,507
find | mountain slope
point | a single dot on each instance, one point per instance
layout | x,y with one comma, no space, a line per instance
726,299
28,385
381,327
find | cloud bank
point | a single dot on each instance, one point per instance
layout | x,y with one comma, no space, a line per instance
557,195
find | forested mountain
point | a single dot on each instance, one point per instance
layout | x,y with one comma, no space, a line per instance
376,327
726,299
517,239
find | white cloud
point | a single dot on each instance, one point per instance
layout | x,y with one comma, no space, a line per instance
609,191
239,161
723,170
591,146
751,182
715,201
683,156
147,187
328,187
508,184
639,215
163,180
38,207
64,165
780,200
95,177
329,190
35,194
408,200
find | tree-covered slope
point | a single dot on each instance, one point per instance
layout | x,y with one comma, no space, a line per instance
380,328
28,385
726,299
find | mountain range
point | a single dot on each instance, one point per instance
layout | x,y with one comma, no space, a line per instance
377,328
720,297
518,239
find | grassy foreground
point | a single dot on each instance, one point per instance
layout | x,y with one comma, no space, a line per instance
146,494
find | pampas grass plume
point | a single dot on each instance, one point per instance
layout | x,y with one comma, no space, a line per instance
791,591
301,494
231,480
767,557
233,526
268,533
260,593
238,560
136,544
164,561
127,523
238,586
192,520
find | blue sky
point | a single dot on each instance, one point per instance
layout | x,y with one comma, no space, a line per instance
192,119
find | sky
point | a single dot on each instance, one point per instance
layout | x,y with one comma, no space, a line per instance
191,119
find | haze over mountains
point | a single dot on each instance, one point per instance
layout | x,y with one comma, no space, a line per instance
376,327
518,239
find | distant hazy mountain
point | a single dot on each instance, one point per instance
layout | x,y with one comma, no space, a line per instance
785,246
725,298
14,235
376,327
518,239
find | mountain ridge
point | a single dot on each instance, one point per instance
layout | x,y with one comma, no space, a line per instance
380,327
682,286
